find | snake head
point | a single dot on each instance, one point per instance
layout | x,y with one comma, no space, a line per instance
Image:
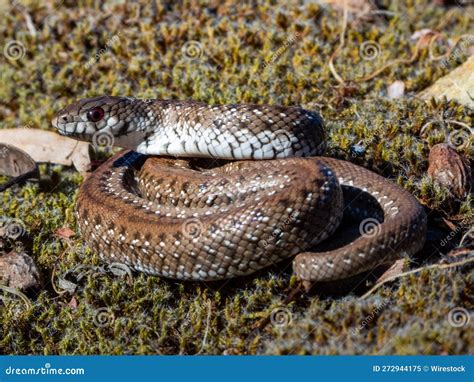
104,121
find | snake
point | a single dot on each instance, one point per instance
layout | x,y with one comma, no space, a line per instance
210,192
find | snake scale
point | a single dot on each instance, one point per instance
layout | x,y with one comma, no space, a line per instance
208,192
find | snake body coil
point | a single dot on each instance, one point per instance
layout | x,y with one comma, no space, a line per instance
202,219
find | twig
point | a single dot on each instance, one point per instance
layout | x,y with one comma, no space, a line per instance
402,61
413,271
339,48
206,332
16,292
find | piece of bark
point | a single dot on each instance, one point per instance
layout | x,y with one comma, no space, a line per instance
448,168
16,164
18,270
48,147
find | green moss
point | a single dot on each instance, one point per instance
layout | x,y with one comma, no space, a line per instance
247,54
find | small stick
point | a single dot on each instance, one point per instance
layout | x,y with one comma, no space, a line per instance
413,271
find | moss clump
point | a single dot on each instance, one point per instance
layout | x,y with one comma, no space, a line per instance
227,52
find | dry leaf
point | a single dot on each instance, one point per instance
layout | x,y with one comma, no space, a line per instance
49,147
64,232
73,303
397,268
17,164
448,168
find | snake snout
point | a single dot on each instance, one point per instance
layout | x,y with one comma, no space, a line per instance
59,121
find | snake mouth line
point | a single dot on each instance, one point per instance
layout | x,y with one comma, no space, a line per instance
79,136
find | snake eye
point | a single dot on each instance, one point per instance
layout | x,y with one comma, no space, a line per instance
95,114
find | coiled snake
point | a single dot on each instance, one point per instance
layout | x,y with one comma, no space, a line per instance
202,219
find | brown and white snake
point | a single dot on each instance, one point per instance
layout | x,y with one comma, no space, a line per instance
203,219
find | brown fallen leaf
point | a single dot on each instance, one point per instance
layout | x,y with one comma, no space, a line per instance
48,147
16,164
73,303
451,170
64,232
463,261
395,269
18,270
